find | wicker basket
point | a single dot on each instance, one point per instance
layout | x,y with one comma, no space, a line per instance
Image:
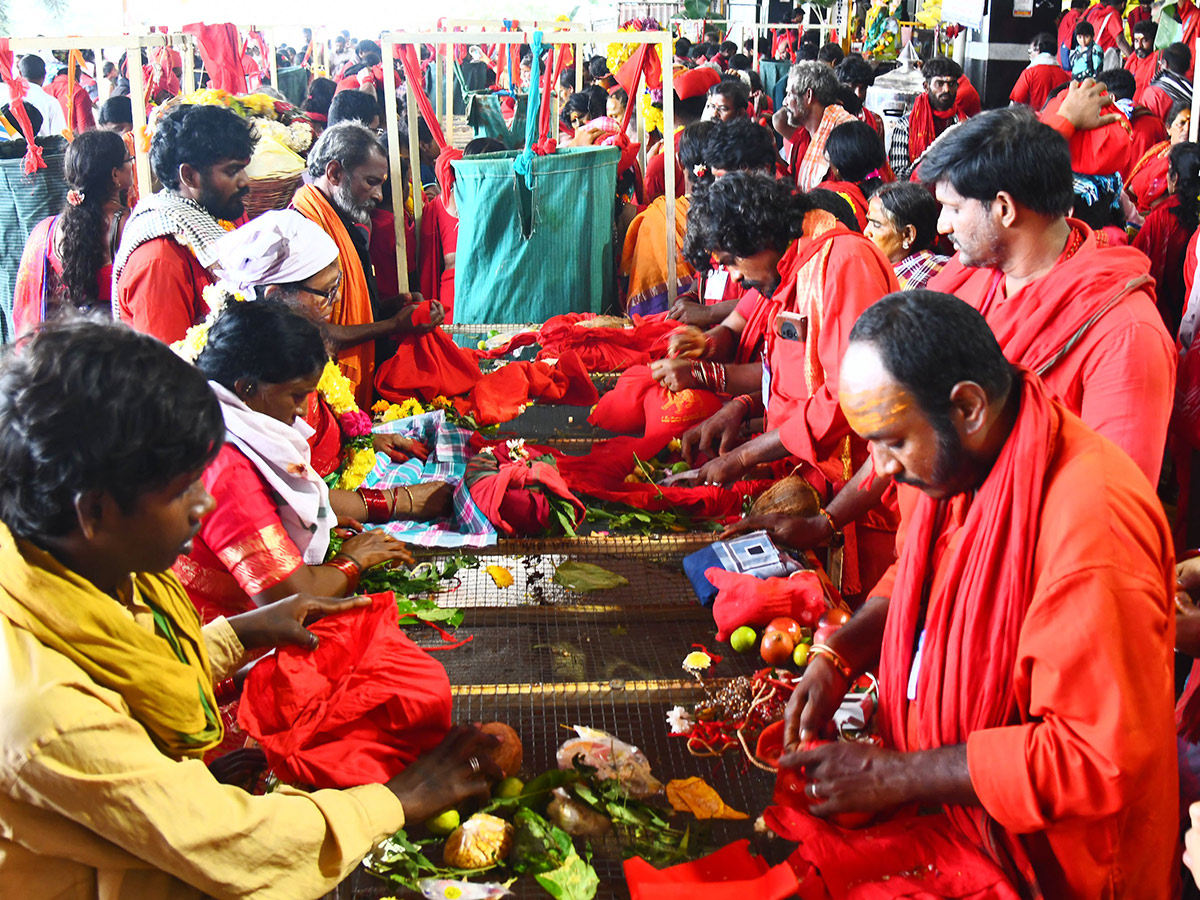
271,193
791,496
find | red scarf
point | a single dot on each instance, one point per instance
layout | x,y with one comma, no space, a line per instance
923,125
973,622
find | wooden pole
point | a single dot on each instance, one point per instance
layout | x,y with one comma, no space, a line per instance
394,167
668,76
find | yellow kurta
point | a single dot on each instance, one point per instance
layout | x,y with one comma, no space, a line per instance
90,809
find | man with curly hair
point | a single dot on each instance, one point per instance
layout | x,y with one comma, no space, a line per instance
199,154
815,277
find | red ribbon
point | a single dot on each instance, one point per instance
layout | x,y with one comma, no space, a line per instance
16,91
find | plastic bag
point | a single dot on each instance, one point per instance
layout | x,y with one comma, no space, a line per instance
612,758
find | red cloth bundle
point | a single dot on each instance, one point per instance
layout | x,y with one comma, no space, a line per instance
512,493
600,349
357,710
427,366
747,600
638,404
730,873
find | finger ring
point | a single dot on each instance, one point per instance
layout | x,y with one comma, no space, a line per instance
474,763
811,790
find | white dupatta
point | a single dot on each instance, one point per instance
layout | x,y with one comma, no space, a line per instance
283,458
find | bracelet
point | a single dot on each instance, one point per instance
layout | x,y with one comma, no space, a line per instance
412,505
710,375
348,566
834,658
225,692
376,504
837,532
744,400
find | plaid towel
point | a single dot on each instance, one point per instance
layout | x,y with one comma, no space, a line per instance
449,451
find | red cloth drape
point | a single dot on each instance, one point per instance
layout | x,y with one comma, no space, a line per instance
221,49
924,124
357,710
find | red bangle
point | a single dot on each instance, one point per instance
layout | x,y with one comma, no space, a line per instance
348,567
378,508
225,692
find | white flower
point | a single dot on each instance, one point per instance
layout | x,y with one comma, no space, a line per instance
516,449
679,720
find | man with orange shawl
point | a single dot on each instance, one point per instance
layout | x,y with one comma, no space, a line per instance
1025,633
932,112
348,169
811,110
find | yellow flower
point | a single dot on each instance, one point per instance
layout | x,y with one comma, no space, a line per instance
441,402
336,389
410,407
192,344
359,466
380,406
652,115
501,577
696,662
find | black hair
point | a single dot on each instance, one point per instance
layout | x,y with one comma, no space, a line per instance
1184,160
756,84
941,67
480,146
597,67
809,51
93,372
35,117
567,78
351,144
320,96
688,110
199,136
1084,29
741,62
741,214
929,342
108,67
353,106
365,47
836,205
32,68
1044,42
1177,57
692,146
857,151
854,70
1177,107
727,48
579,102
741,145
1120,83
116,109
682,46
369,60
734,90
697,51
88,167
848,99
907,203
1004,150
1147,29
621,96
831,53
264,342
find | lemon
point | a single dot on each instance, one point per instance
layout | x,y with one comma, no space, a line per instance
743,639
800,654
509,787
445,823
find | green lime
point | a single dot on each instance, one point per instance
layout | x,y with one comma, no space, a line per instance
800,654
743,639
444,824
508,787
680,467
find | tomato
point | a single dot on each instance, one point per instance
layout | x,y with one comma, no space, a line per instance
825,632
776,648
838,617
788,626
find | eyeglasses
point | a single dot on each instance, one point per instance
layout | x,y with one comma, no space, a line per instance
329,295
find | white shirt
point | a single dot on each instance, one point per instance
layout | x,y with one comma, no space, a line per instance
54,121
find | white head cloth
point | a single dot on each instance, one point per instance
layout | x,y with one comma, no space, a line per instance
278,247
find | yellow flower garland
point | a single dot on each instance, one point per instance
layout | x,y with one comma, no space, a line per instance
336,389
360,464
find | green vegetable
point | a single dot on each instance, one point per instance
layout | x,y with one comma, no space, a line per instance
584,577
624,519
573,880
401,861
415,588
538,846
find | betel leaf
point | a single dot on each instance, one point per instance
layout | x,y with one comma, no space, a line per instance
573,880
538,846
585,577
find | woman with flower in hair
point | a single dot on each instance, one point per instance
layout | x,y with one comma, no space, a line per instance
68,258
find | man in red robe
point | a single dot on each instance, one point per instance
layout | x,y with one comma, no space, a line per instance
1024,634
810,112
1043,75
1108,18
199,154
77,108
815,277
691,94
1144,62
934,110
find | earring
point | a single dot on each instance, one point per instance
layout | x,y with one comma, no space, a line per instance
907,244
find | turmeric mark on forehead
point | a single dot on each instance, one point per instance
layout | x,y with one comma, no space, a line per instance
872,411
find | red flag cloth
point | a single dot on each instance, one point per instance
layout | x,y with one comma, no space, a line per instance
909,857
357,710
1063,539
16,91
326,440
220,48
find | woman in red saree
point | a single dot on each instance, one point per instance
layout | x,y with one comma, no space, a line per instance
68,258
1148,178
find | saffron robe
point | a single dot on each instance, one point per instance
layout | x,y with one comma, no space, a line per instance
161,290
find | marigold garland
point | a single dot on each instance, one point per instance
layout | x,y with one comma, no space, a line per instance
357,468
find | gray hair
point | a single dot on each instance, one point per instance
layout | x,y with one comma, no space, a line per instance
816,77
350,143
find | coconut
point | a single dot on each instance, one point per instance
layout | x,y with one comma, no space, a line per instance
508,754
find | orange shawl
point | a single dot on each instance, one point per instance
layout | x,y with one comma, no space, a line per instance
354,306
644,257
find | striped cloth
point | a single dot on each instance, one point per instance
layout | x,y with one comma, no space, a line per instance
449,451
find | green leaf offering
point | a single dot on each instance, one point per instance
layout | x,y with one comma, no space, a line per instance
585,577
573,880
538,846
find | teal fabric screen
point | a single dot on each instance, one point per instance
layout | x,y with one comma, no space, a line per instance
485,116
293,83
24,201
528,255
771,71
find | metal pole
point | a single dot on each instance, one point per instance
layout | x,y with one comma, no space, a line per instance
393,132
137,94
669,166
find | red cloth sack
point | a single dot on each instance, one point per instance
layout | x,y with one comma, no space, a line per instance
670,413
622,409
357,710
745,600
427,366
730,873
513,493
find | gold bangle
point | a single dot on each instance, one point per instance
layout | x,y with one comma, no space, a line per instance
412,506
834,658
837,535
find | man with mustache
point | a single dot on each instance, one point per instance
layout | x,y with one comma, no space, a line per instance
199,154
1144,61
932,113
348,168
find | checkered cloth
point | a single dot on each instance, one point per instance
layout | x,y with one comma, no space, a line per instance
449,451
